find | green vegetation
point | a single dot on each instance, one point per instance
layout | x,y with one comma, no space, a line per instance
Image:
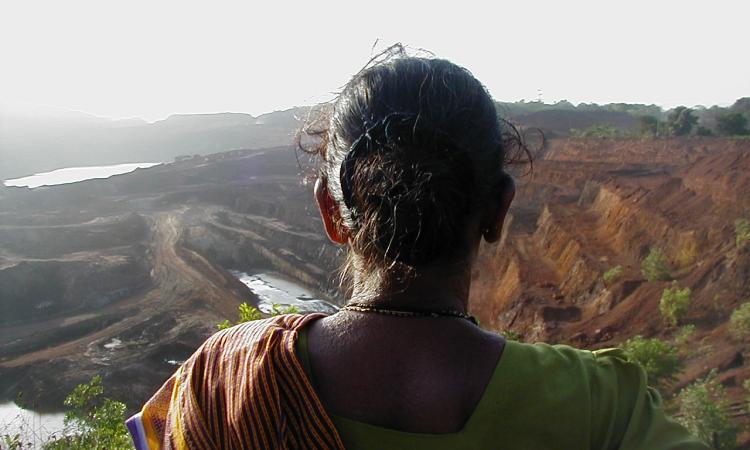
704,411
512,335
597,131
683,335
681,121
248,313
739,322
732,124
97,422
674,303
658,358
655,266
513,109
612,275
653,121
12,442
741,232
649,125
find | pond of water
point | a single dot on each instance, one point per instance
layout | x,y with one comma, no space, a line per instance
33,428
274,289
74,174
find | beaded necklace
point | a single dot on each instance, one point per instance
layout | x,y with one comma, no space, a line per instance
357,307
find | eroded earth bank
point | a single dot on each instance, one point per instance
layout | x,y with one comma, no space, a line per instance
126,276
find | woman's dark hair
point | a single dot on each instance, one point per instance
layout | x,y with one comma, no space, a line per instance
409,149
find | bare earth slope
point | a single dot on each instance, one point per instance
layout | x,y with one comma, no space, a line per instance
126,277
599,203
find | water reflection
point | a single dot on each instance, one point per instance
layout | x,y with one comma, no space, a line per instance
273,289
74,174
32,427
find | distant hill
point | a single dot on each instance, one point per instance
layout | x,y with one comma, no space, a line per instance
31,142
37,143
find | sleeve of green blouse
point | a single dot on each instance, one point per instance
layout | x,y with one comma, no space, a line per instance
629,412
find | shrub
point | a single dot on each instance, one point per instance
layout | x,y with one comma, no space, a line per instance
512,335
224,325
612,275
279,309
704,411
596,131
249,313
674,303
741,232
655,267
97,422
658,358
739,322
683,335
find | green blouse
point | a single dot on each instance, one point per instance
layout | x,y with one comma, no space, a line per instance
544,397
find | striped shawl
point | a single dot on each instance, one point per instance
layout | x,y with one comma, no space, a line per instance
244,388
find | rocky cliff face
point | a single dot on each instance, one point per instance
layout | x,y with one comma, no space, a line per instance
595,204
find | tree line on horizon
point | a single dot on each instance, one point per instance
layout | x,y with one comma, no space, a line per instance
652,120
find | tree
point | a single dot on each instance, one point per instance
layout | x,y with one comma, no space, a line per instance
674,303
732,124
681,121
658,358
649,125
704,411
654,267
742,105
95,422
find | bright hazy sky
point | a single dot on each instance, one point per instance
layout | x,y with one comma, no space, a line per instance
154,58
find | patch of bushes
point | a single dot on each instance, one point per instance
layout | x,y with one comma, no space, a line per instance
96,422
512,335
683,335
674,303
739,322
658,358
249,313
597,131
655,266
612,275
704,411
741,232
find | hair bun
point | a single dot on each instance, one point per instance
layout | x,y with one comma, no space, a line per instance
416,179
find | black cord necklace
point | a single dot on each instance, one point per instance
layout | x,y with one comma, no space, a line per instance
358,307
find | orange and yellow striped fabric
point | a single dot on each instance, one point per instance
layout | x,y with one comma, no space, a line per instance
244,388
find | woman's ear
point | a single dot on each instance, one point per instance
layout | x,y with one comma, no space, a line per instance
502,196
330,213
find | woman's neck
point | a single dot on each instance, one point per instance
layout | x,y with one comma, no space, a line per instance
444,287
